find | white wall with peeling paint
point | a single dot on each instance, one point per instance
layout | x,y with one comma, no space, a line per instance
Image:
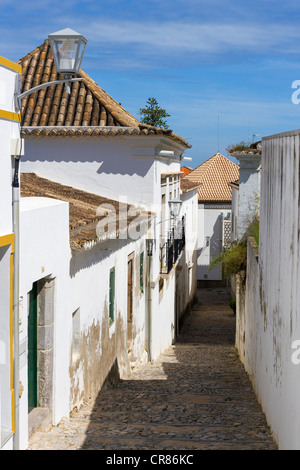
129,169
45,252
103,351
272,307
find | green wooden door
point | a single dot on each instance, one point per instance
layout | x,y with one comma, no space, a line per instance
32,349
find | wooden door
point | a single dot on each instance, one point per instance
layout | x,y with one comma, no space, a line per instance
129,298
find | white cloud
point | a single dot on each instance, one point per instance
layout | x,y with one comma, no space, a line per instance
205,38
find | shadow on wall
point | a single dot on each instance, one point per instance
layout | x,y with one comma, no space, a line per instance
113,157
186,290
87,258
206,254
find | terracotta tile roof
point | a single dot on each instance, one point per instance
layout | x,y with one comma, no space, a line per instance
186,185
83,215
88,110
186,170
214,175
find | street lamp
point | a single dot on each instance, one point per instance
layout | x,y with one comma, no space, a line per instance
68,48
149,246
175,205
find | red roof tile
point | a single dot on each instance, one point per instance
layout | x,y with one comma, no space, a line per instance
214,175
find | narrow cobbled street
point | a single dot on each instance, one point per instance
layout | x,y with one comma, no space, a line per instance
195,396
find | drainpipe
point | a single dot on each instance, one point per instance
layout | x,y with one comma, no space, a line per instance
149,306
149,247
16,229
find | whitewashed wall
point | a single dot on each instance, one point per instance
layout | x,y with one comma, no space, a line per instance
45,251
210,225
112,167
81,281
234,212
104,347
272,310
116,167
249,190
9,129
6,130
186,285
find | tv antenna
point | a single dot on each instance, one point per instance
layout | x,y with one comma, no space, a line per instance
218,133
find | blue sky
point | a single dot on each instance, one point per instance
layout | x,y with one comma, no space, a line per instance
236,58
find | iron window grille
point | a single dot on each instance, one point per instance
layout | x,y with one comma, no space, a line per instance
171,249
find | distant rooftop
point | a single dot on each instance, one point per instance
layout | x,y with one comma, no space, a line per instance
186,170
214,175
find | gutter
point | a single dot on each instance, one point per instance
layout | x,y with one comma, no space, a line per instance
76,128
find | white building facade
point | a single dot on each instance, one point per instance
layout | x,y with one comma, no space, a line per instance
214,213
9,133
150,296
268,329
139,176
89,310
246,191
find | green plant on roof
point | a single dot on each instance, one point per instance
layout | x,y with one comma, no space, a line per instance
238,147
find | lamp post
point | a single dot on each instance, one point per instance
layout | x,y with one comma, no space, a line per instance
68,49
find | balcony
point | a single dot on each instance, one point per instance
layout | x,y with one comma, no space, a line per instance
171,249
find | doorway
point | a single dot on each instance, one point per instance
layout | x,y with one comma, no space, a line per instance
32,348
40,357
129,300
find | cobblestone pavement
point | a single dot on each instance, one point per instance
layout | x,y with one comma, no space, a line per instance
195,396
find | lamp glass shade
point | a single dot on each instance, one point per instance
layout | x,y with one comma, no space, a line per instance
175,205
68,48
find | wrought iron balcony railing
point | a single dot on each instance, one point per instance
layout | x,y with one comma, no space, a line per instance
172,247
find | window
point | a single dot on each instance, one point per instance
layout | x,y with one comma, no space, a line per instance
142,272
163,216
111,296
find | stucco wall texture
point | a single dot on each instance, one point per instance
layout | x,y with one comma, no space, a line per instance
272,297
